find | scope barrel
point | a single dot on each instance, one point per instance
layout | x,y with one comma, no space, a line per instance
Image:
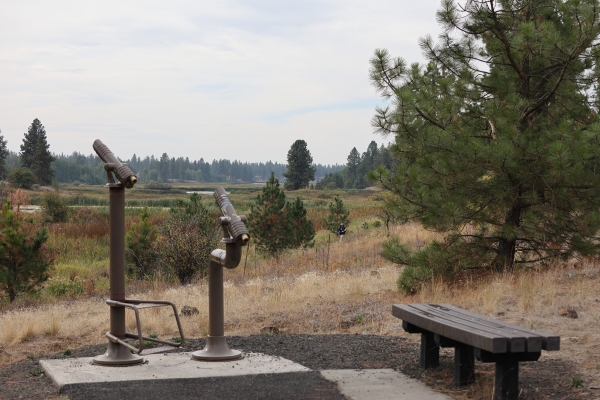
124,174
237,227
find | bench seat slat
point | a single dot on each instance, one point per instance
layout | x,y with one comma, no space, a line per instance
549,341
515,343
532,342
452,330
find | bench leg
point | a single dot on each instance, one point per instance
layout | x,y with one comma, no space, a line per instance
430,351
506,385
464,365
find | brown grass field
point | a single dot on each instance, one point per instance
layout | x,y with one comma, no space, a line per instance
332,288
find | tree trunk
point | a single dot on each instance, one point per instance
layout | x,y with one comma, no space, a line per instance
12,295
505,257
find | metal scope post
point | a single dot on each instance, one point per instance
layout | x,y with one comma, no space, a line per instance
235,235
119,352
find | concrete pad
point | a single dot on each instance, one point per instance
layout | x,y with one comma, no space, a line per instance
381,384
164,366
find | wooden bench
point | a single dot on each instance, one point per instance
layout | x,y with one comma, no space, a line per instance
474,336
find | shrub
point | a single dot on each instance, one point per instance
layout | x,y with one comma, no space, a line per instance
21,178
24,261
186,240
54,208
141,255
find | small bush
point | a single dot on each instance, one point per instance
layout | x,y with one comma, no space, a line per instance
21,178
141,255
54,208
186,240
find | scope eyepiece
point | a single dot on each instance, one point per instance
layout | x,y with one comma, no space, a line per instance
122,171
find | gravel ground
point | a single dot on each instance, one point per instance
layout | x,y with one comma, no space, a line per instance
545,379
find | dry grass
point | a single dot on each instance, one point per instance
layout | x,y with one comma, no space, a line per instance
335,288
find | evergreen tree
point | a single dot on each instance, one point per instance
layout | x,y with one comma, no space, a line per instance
302,229
24,261
331,181
338,214
35,153
268,221
352,168
164,167
141,253
299,166
3,155
498,136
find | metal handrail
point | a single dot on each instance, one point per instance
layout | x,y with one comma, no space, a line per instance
131,303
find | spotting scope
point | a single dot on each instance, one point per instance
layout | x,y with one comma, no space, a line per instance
122,171
237,227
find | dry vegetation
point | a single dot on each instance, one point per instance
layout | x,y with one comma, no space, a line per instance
332,288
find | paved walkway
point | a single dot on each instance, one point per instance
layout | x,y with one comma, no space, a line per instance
256,376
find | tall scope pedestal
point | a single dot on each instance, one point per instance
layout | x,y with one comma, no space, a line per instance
216,348
115,353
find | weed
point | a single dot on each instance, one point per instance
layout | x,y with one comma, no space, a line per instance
359,319
67,352
31,356
576,382
176,339
35,372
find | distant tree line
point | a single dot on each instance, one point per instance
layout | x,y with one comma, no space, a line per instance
354,173
89,169
35,164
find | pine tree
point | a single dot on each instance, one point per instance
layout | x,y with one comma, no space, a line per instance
302,228
268,220
141,254
164,167
24,261
35,153
3,154
498,136
352,168
338,214
299,166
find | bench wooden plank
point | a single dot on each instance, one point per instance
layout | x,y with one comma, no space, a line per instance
531,341
549,341
516,343
470,328
452,330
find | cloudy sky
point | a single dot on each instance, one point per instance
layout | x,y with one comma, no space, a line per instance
228,79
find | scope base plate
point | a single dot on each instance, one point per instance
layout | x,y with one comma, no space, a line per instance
216,349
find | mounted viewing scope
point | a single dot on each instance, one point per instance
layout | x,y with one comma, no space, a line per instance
231,221
235,236
122,171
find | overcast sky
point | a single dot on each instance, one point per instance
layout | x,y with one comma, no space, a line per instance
228,79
